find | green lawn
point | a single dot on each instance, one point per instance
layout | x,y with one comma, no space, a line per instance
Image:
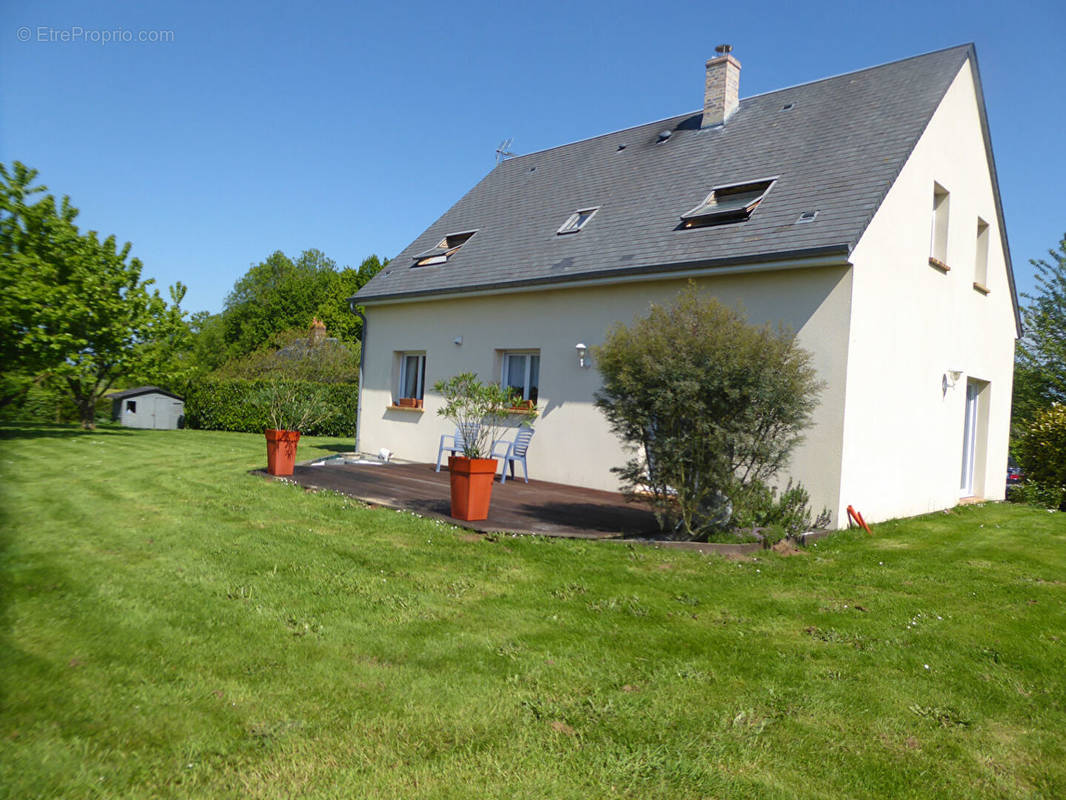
175,627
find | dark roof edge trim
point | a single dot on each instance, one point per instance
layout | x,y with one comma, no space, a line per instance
790,259
987,135
139,391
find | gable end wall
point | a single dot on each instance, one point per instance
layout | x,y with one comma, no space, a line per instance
903,431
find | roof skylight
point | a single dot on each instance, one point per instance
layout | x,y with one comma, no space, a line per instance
444,250
730,203
577,220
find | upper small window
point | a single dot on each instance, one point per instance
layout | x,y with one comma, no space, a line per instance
577,220
938,235
980,272
131,406
444,250
731,203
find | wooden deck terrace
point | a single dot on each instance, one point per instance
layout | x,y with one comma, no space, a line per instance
537,507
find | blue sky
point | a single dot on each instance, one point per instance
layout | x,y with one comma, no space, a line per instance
351,127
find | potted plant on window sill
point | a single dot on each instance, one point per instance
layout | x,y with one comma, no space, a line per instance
479,409
291,410
525,407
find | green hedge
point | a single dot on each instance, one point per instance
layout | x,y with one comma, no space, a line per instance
237,405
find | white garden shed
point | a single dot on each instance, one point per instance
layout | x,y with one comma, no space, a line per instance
148,407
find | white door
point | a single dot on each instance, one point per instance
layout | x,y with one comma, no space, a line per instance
969,440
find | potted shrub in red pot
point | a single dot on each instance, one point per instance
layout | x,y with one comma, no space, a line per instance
477,409
291,409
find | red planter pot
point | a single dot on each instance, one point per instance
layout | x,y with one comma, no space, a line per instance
471,486
281,451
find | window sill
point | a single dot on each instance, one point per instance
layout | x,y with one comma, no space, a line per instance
980,287
940,265
395,407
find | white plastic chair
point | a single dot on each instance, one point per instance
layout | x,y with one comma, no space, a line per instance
515,451
457,442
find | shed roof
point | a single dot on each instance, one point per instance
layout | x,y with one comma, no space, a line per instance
835,145
125,393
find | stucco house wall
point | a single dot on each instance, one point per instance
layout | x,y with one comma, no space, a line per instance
912,323
573,443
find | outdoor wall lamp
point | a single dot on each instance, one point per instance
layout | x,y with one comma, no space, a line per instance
458,340
581,351
951,377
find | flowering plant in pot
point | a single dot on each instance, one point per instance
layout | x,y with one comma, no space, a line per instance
291,409
478,411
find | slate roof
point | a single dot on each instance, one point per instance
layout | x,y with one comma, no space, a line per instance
837,150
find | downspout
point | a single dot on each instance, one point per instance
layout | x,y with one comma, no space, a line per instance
362,361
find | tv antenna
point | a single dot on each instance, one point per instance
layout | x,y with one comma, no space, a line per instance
504,150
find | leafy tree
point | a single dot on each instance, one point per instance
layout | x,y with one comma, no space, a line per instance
1040,363
36,238
166,360
713,405
74,306
281,294
207,342
110,319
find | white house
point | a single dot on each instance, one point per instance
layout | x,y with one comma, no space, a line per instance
862,211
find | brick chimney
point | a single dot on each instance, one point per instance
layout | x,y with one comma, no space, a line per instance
721,94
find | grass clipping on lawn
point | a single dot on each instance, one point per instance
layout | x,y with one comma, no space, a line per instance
176,627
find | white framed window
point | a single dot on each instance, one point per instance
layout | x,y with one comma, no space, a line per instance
576,221
980,270
521,373
938,236
412,376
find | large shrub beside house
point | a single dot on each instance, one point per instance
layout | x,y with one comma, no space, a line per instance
1042,453
713,407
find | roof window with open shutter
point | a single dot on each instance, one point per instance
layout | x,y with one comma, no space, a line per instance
444,250
733,202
